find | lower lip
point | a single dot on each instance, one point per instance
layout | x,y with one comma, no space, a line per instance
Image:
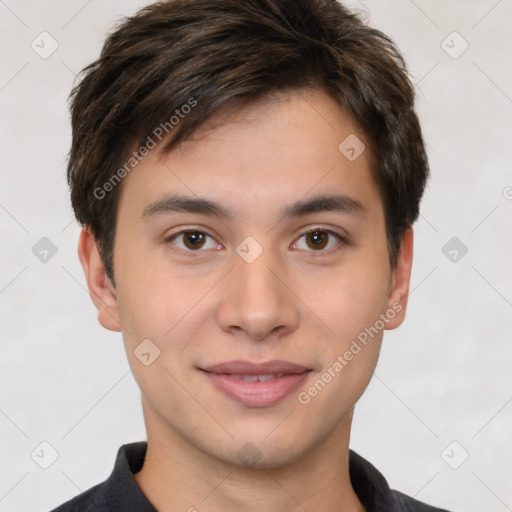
257,394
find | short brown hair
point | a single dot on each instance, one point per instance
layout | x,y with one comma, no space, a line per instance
223,53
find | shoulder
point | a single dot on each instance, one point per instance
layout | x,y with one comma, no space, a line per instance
93,499
119,492
374,492
407,504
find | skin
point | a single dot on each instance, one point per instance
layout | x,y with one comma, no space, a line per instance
294,302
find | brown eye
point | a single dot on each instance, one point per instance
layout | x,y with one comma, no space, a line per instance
193,239
317,239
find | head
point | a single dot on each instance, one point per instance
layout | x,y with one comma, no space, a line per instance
244,123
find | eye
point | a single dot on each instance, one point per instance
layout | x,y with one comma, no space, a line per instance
319,240
192,240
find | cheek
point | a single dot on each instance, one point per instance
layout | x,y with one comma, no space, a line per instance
348,299
173,310
153,314
152,296
350,305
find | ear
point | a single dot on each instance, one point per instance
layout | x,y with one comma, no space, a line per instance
400,280
100,287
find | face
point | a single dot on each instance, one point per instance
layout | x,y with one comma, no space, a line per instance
256,248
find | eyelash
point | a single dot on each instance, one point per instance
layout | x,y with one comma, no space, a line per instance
313,254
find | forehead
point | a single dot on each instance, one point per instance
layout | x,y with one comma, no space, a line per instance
275,150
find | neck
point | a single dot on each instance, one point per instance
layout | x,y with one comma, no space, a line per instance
178,476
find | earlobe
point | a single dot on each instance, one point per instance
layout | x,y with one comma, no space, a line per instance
400,281
100,288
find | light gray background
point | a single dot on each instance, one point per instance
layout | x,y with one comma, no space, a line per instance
443,376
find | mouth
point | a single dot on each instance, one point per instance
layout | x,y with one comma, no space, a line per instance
256,384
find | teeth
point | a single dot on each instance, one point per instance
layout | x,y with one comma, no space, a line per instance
256,378
263,378
248,378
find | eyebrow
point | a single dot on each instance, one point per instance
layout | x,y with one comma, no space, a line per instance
324,203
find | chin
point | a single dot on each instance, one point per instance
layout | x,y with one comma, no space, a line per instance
254,456
262,451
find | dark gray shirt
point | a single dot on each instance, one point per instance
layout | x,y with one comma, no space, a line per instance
120,492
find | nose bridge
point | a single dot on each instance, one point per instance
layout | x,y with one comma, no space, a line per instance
253,261
256,287
256,300
256,280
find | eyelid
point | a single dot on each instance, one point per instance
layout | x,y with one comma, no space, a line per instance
322,228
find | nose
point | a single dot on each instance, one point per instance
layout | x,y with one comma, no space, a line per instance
256,301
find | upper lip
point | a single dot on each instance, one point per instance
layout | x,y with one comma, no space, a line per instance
240,367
